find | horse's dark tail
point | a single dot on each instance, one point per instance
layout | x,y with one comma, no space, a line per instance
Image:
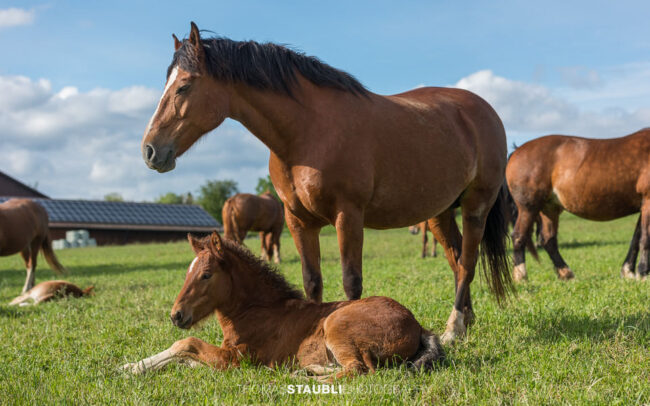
430,351
230,228
494,261
51,259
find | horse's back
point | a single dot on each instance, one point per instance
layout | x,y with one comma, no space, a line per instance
593,178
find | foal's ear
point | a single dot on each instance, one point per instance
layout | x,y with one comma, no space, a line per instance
177,43
196,243
216,245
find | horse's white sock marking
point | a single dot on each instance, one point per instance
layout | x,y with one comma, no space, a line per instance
172,78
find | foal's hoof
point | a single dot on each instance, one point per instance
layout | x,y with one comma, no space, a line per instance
565,274
519,273
135,368
449,337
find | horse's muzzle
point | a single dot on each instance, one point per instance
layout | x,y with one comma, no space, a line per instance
180,321
162,159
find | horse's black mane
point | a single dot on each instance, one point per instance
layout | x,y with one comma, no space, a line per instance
263,66
266,273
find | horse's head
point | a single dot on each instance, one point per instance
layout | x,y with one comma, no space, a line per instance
414,229
193,103
208,283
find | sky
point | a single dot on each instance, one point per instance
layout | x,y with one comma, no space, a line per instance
79,80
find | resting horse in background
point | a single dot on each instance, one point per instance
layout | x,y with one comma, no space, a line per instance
50,290
267,321
345,156
424,229
596,179
244,212
24,229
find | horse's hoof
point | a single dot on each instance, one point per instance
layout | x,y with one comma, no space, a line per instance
519,273
641,278
448,338
627,272
565,274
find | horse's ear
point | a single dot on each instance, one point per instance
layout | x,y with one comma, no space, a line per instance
177,43
195,38
196,243
216,245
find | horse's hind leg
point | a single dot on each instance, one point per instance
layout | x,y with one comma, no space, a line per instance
349,231
550,222
273,243
425,239
627,270
308,246
264,249
30,255
521,235
644,243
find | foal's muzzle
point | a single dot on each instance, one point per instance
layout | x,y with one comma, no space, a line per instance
179,320
162,159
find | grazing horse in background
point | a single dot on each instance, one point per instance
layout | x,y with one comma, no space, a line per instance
244,212
345,156
24,229
422,227
50,290
267,321
596,179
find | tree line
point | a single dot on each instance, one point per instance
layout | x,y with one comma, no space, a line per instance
211,195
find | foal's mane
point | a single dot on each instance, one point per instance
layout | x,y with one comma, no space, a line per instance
268,275
262,65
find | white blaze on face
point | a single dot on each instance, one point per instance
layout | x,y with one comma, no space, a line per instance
172,78
192,265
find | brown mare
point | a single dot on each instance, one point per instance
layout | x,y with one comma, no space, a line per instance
267,321
424,229
596,179
50,290
345,156
244,212
24,229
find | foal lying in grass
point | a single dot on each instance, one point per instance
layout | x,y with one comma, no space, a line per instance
50,290
264,319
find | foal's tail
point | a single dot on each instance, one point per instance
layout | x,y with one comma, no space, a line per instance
430,351
51,259
494,261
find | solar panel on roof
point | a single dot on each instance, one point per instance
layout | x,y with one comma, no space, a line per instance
101,212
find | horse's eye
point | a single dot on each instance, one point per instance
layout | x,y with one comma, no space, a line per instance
182,89
206,276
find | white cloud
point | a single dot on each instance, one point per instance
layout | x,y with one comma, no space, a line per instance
11,17
531,110
87,144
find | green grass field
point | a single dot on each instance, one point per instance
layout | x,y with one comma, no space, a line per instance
579,342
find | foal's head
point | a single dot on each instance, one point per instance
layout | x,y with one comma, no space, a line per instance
225,277
208,283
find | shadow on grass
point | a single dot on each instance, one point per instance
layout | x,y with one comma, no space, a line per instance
13,312
582,244
552,328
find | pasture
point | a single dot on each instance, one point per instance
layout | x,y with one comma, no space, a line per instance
578,342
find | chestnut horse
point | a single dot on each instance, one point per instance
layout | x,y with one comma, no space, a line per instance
345,156
50,290
422,227
267,321
244,212
596,179
24,229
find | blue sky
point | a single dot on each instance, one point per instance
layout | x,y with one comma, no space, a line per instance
93,72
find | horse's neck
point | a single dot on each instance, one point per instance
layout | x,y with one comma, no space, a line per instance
285,123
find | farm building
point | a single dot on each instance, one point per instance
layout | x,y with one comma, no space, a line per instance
115,222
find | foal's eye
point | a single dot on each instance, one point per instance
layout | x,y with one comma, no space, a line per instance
206,276
183,89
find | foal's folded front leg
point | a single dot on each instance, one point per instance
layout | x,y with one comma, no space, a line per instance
189,351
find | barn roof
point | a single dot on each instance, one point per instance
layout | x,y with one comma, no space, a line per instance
126,215
13,187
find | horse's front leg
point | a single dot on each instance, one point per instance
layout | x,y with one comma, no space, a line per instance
349,231
191,352
644,242
307,243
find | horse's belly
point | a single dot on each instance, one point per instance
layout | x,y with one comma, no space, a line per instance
597,204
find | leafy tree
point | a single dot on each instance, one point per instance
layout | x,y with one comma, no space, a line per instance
264,185
113,197
173,198
214,193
